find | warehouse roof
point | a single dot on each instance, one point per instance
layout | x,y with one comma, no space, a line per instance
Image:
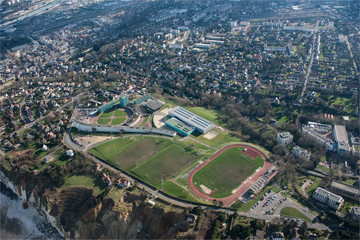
191,119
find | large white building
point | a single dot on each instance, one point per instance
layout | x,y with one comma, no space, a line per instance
284,138
318,132
301,153
342,139
201,124
85,127
328,198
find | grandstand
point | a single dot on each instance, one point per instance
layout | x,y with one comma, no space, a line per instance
199,123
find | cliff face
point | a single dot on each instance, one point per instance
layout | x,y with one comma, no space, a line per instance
76,212
128,218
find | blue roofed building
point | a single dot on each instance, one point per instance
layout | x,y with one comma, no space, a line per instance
179,126
106,106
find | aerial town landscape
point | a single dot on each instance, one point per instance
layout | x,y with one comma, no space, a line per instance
180,119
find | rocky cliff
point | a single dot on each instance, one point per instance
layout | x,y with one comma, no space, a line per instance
77,213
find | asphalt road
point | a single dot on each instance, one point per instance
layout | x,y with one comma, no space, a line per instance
161,195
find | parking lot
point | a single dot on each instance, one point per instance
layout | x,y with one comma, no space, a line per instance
268,203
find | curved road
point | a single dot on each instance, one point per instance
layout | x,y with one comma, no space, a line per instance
163,196
252,179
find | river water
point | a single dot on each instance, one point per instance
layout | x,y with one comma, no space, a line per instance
19,223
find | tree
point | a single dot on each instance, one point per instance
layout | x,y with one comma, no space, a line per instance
257,224
197,210
303,231
279,150
240,232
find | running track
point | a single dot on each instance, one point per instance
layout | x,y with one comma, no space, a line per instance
229,200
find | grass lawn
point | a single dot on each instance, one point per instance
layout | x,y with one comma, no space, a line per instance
323,168
211,115
40,153
349,106
283,119
292,212
349,181
131,156
104,121
182,181
87,181
118,120
217,141
227,171
315,184
348,203
115,194
119,113
163,165
178,191
108,150
106,114
145,120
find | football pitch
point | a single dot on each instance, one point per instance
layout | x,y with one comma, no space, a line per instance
149,158
227,171
163,165
113,117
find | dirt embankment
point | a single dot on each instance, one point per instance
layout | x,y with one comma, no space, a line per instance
79,214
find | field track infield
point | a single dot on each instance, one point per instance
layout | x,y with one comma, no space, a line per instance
252,152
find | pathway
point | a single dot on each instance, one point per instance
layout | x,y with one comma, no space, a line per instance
309,68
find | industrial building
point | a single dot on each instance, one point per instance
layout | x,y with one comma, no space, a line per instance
179,126
328,198
154,105
200,124
124,100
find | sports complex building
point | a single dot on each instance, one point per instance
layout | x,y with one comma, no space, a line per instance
179,126
191,119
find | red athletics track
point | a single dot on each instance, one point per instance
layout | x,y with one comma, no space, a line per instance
229,200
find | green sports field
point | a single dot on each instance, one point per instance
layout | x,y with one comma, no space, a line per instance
227,171
118,120
149,158
163,165
138,152
108,150
119,113
104,121
113,117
